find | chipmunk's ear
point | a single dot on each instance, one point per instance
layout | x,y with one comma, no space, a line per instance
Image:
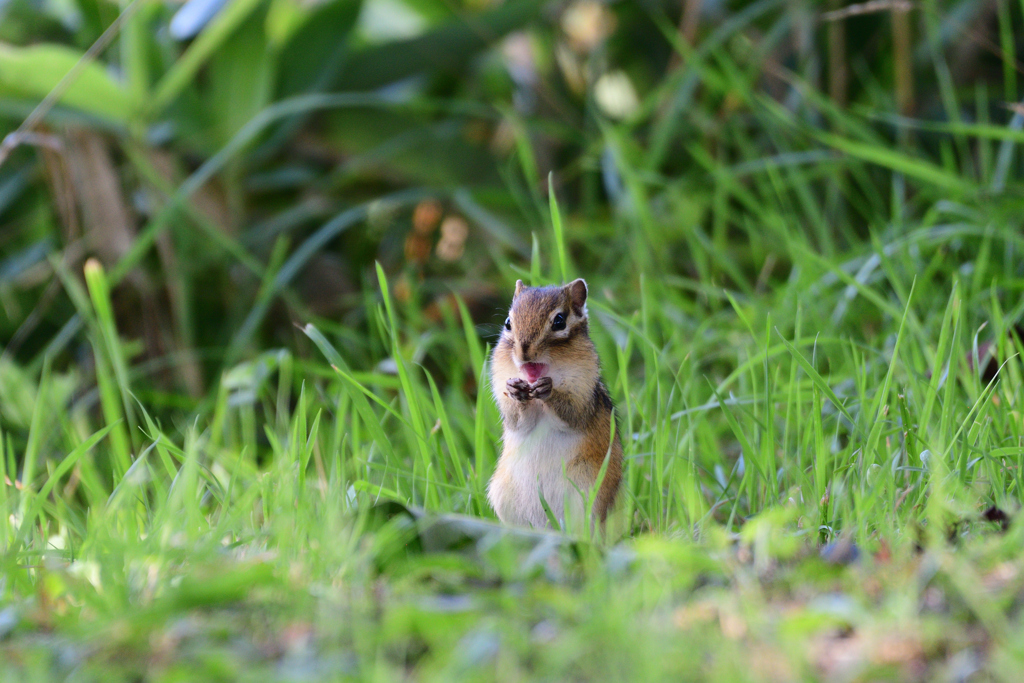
519,288
578,295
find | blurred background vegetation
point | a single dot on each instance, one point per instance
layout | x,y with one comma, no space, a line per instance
239,166
801,223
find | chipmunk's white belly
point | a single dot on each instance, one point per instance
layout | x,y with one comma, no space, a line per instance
533,461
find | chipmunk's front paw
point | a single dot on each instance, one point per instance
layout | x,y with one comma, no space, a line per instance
541,388
517,389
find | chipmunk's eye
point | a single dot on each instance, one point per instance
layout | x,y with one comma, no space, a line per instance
508,324
558,323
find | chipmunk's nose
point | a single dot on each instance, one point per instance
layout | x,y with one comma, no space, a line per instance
524,348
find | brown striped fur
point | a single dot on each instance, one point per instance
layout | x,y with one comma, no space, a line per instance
569,427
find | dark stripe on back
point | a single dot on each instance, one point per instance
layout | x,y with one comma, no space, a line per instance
601,396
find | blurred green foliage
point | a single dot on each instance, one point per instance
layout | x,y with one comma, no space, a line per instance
204,153
253,255
243,169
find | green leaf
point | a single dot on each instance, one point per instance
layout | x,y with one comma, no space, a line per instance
32,72
818,380
202,48
899,162
63,468
240,78
556,226
314,52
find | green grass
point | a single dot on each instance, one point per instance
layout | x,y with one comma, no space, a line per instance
808,315
251,539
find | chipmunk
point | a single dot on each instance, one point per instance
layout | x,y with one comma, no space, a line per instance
556,411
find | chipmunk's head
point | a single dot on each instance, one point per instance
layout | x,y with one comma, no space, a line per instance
545,326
